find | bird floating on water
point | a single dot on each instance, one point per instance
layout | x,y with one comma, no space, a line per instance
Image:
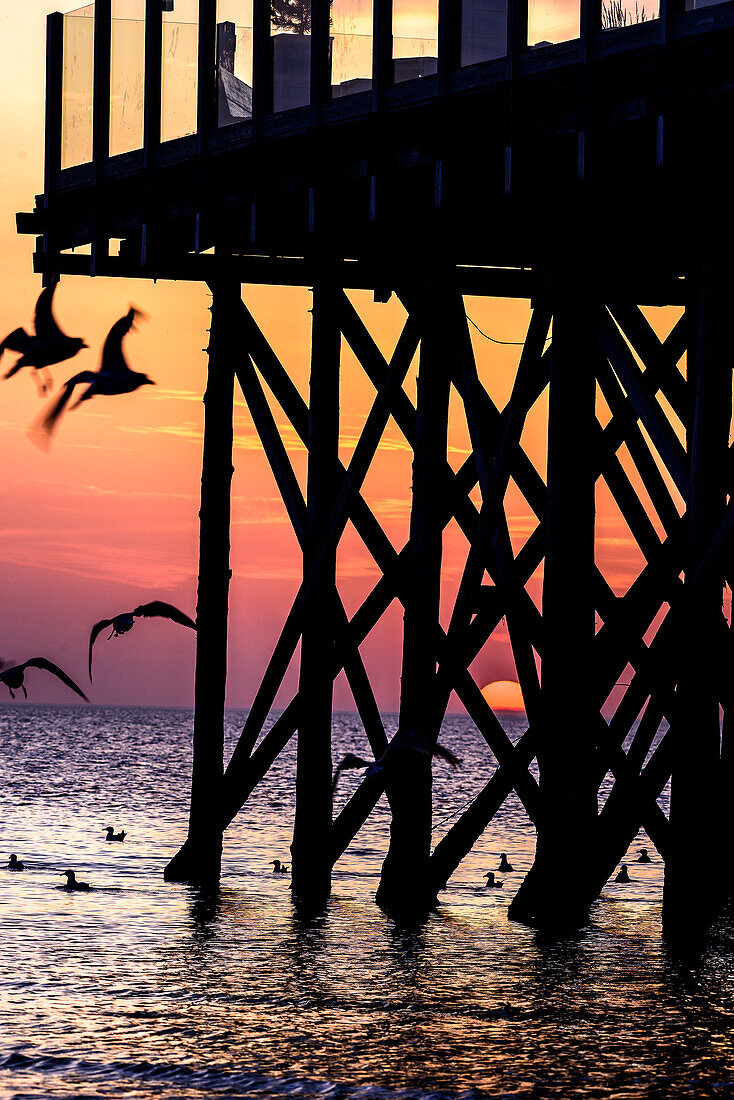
122,623
491,881
279,868
112,835
72,884
15,864
13,677
623,876
113,377
643,857
505,866
47,346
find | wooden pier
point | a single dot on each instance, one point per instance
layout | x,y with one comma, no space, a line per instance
586,176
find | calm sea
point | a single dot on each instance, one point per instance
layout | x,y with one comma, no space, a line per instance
142,989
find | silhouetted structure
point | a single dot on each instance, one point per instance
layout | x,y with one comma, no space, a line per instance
499,178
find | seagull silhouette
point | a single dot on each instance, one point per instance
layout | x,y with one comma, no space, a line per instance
113,377
47,346
72,883
122,623
13,677
351,761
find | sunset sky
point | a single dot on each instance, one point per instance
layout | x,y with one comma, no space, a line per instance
108,518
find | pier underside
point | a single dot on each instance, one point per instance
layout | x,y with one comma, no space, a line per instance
644,419
588,177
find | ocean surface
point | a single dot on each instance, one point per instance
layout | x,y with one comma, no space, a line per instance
145,989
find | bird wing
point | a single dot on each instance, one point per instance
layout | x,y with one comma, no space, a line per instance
443,753
350,760
41,431
44,319
49,666
17,340
164,610
96,629
113,361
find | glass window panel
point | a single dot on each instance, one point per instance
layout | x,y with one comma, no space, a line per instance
694,5
127,75
551,21
234,61
290,25
483,30
179,69
415,38
77,87
625,13
351,47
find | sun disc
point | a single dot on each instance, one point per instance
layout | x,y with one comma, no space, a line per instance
504,695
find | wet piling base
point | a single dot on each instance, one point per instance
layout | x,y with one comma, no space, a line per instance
198,862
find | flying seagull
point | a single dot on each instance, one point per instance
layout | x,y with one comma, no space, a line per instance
13,677
122,623
113,377
47,346
350,761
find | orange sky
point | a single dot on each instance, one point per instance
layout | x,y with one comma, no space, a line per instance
109,518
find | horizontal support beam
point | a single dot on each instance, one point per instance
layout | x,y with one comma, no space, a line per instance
487,282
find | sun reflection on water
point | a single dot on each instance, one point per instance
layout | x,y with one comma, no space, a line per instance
144,989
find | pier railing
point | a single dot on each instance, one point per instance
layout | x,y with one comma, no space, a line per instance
126,75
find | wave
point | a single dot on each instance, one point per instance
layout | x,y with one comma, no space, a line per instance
239,1083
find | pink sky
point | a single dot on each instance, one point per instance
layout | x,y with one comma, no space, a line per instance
109,518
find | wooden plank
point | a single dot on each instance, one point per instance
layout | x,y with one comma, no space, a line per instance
661,358
624,413
206,89
402,888
666,442
54,101
311,868
199,860
295,506
566,754
696,796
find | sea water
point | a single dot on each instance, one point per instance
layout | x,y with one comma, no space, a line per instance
147,989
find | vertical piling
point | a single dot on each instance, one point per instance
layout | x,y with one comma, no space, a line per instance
199,860
696,791
568,807
311,832
403,889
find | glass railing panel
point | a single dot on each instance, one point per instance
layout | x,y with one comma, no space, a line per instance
179,69
290,26
483,30
234,61
552,21
625,13
77,89
127,75
351,47
415,38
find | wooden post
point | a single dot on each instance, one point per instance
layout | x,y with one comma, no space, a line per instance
54,116
262,105
312,826
101,124
565,746
696,796
403,889
200,858
151,119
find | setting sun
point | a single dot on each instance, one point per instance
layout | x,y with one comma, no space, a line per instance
504,695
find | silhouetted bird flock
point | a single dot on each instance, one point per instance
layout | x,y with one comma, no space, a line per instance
50,345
